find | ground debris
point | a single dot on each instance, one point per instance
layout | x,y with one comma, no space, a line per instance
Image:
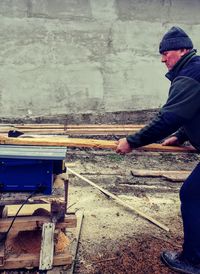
134,256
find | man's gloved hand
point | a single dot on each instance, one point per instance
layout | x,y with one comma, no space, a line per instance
123,146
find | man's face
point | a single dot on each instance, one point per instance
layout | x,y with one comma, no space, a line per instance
171,57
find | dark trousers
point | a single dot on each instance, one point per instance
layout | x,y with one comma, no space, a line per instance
190,209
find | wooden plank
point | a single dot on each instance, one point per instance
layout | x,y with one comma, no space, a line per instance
75,242
157,173
59,141
91,143
172,175
34,222
26,209
10,201
81,131
32,260
70,126
47,246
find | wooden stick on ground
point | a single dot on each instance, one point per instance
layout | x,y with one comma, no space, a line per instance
75,243
120,201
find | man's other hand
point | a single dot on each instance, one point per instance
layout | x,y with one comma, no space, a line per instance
171,141
123,146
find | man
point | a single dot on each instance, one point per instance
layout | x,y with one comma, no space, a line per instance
180,118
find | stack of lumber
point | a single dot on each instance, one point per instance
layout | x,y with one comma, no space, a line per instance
63,129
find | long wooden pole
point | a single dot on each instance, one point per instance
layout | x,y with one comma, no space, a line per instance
109,194
90,143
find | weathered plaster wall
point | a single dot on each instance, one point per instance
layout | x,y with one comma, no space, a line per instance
86,56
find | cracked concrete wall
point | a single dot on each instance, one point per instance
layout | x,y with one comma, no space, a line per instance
86,56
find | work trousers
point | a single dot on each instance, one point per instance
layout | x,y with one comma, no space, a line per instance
190,209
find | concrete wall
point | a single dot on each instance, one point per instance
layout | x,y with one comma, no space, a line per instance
86,56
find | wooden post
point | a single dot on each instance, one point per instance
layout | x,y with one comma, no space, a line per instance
58,211
66,184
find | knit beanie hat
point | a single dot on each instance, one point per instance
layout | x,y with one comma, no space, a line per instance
175,39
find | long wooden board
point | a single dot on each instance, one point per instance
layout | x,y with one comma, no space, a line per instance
73,129
90,143
69,126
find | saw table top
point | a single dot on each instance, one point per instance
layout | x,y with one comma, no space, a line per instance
32,152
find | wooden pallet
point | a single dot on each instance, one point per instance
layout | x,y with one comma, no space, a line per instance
29,228
25,243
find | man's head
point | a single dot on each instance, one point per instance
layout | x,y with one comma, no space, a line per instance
175,43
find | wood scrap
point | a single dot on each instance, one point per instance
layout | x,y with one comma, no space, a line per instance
109,194
173,175
176,178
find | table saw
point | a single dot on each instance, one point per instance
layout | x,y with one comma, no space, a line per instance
29,168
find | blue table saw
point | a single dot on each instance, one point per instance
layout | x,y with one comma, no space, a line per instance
29,168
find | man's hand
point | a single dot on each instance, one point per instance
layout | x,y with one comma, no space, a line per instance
171,141
123,146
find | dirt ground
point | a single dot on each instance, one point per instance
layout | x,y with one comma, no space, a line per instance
115,240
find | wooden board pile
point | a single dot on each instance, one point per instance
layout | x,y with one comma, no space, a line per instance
72,130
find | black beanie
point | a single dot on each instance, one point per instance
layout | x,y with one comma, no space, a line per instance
175,39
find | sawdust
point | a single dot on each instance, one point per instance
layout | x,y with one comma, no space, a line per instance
24,242
58,182
29,242
61,242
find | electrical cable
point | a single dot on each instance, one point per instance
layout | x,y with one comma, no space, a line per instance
6,233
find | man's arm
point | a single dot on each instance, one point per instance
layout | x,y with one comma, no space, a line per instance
181,106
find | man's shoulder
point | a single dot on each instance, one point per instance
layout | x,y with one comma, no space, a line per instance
192,69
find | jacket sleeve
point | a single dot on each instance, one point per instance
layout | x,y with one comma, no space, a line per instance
182,104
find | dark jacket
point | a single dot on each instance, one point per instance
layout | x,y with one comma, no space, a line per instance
181,113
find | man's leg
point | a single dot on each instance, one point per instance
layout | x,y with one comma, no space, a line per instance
188,261
190,209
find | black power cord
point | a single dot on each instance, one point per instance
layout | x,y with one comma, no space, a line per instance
4,235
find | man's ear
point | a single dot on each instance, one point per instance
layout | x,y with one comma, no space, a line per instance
183,51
